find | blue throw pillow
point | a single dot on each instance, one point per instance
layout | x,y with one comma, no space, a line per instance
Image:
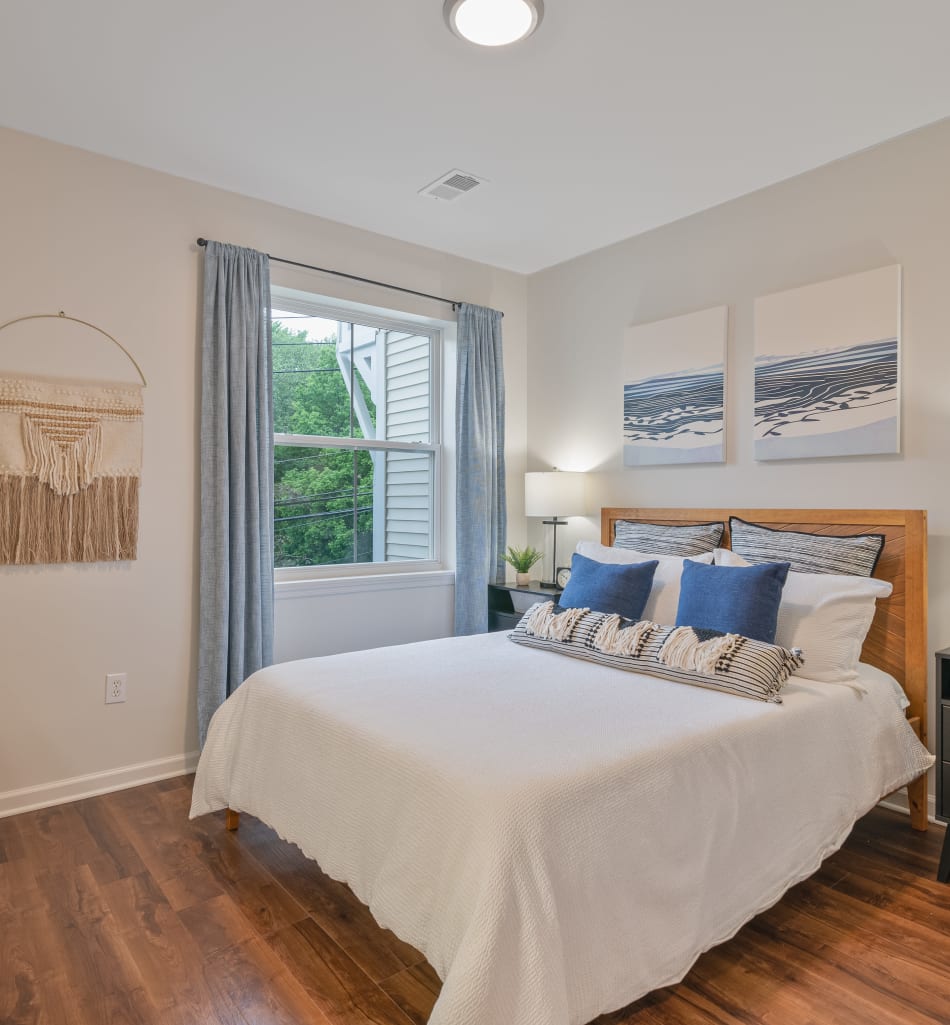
732,599
609,587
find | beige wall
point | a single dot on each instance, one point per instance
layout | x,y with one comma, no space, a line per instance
888,205
114,244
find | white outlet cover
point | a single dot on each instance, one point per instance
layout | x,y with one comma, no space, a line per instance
115,688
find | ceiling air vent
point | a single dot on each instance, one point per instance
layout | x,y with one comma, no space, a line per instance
451,185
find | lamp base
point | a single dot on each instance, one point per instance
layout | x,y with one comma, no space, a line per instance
551,585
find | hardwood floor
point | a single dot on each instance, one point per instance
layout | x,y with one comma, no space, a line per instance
118,910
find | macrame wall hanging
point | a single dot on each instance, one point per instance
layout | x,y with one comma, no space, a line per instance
70,464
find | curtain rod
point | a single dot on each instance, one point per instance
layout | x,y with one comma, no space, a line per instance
454,303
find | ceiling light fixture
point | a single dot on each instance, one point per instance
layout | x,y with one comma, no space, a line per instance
493,22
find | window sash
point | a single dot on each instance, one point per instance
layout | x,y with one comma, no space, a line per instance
325,441
409,565
345,314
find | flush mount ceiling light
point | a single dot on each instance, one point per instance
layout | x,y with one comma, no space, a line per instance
493,22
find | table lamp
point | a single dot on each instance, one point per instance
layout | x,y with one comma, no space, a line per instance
554,494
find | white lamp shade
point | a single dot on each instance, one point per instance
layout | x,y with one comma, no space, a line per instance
558,493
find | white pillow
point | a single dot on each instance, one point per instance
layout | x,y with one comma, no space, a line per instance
826,615
664,597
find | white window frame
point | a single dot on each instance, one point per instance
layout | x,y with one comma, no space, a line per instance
293,301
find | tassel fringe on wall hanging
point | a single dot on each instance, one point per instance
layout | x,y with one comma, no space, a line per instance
70,466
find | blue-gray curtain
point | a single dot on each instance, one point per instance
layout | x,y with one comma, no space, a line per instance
236,600
480,507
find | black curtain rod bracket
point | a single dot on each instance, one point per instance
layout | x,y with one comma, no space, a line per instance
454,303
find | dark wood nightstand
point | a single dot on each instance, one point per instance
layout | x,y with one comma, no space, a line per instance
942,768
501,610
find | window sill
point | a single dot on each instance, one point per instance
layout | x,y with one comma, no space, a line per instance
285,590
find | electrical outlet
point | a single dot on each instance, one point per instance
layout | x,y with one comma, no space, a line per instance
115,688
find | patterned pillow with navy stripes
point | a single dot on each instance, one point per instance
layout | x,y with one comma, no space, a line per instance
704,658
853,555
665,539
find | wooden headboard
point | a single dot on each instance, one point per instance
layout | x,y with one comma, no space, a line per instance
897,640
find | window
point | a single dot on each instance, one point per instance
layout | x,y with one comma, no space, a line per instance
356,435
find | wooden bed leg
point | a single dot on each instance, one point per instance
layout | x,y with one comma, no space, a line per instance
917,789
917,801
232,819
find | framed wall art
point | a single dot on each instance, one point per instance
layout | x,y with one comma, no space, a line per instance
827,368
674,386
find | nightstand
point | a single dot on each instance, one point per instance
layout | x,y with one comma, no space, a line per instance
942,768
501,598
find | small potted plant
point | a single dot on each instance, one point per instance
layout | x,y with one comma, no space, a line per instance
521,560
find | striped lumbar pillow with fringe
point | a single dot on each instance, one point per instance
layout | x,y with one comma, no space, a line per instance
704,658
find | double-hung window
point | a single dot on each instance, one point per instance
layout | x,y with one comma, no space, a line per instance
356,435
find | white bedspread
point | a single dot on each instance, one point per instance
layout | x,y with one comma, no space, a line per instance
557,837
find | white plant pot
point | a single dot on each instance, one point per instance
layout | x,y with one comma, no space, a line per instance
522,579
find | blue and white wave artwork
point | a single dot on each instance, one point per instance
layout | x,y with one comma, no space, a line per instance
831,402
674,418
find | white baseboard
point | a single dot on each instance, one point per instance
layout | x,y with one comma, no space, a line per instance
62,791
898,802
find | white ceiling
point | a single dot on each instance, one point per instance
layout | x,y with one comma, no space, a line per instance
616,117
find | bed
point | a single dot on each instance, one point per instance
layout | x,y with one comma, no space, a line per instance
560,838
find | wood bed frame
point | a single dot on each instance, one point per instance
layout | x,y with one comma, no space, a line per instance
897,640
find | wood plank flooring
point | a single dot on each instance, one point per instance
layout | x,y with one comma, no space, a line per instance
117,909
